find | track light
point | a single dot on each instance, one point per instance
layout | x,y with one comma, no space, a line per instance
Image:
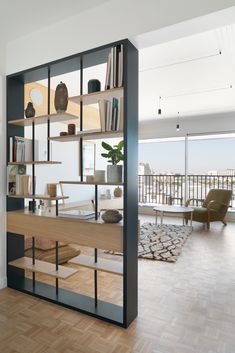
178,123
159,106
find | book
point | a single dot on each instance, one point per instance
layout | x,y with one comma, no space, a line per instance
120,122
114,70
108,73
102,111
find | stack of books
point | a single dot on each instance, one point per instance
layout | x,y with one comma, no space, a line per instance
18,182
111,114
114,73
20,150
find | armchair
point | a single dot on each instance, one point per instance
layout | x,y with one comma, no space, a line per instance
214,207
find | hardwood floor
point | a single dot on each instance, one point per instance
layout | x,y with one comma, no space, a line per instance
184,307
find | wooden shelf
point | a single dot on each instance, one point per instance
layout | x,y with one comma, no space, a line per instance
104,265
39,197
92,98
88,183
34,162
43,267
92,135
42,119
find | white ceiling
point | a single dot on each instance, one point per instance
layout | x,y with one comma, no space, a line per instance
18,18
200,86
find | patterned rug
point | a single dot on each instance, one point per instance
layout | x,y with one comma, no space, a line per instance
162,242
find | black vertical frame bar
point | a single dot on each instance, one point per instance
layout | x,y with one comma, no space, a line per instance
48,112
81,119
57,251
130,241
96,251
15,110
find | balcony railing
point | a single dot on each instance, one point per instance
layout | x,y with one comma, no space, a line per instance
171,189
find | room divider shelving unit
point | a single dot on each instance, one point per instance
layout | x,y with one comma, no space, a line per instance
92,233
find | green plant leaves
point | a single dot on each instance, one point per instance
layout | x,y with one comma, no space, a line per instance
115,154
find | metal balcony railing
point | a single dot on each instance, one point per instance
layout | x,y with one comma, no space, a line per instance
171,189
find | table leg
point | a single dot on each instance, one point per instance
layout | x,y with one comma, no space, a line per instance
156,218
191,219
183,218
161,218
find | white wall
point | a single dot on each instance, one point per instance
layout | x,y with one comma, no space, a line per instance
194,124
111,21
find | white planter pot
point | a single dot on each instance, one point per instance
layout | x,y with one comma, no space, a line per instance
114,174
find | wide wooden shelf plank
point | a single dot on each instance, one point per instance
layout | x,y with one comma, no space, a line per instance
38,197
42,119
91,233
104,265
92,98
34,162
87,183
93,135
47,268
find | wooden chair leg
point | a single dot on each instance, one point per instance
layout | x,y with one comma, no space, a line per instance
224,223
208,225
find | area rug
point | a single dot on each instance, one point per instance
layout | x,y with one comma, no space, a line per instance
161,242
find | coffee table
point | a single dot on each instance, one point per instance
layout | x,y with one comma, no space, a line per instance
175,210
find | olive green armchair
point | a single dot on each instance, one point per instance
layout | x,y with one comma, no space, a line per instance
214,207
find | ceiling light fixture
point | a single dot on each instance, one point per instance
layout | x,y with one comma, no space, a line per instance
178,122
159,106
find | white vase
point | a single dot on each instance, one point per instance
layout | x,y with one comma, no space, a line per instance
114,174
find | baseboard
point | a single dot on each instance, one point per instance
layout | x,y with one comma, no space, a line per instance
3,282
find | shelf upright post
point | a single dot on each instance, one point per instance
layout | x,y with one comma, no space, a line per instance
48,112
81,119
33,191
96,251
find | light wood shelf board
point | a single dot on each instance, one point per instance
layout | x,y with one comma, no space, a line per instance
104,265
86,183
91,233
39,197
88,136
42,119
47,268
34,162
92,98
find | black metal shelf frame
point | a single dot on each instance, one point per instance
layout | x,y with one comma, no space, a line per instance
120,315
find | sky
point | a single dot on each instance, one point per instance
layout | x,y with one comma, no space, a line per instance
203,155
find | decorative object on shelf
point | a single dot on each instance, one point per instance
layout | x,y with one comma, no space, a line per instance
93,86
114,156
111,216
90,178
30,111
117,192
61,98
63,133
108,194
71,129
52,189
32,205
89,153
99,176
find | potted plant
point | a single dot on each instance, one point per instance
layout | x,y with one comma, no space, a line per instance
114,156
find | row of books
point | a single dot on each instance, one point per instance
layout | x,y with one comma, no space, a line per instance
21,149
81,214
18,182
114,73
111,114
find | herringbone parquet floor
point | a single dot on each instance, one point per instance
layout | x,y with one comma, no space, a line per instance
186,307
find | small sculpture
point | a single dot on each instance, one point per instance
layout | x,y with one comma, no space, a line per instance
61,98
111,216
71,129
117,192
30,111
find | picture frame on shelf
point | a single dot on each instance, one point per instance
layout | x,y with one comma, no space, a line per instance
89,157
